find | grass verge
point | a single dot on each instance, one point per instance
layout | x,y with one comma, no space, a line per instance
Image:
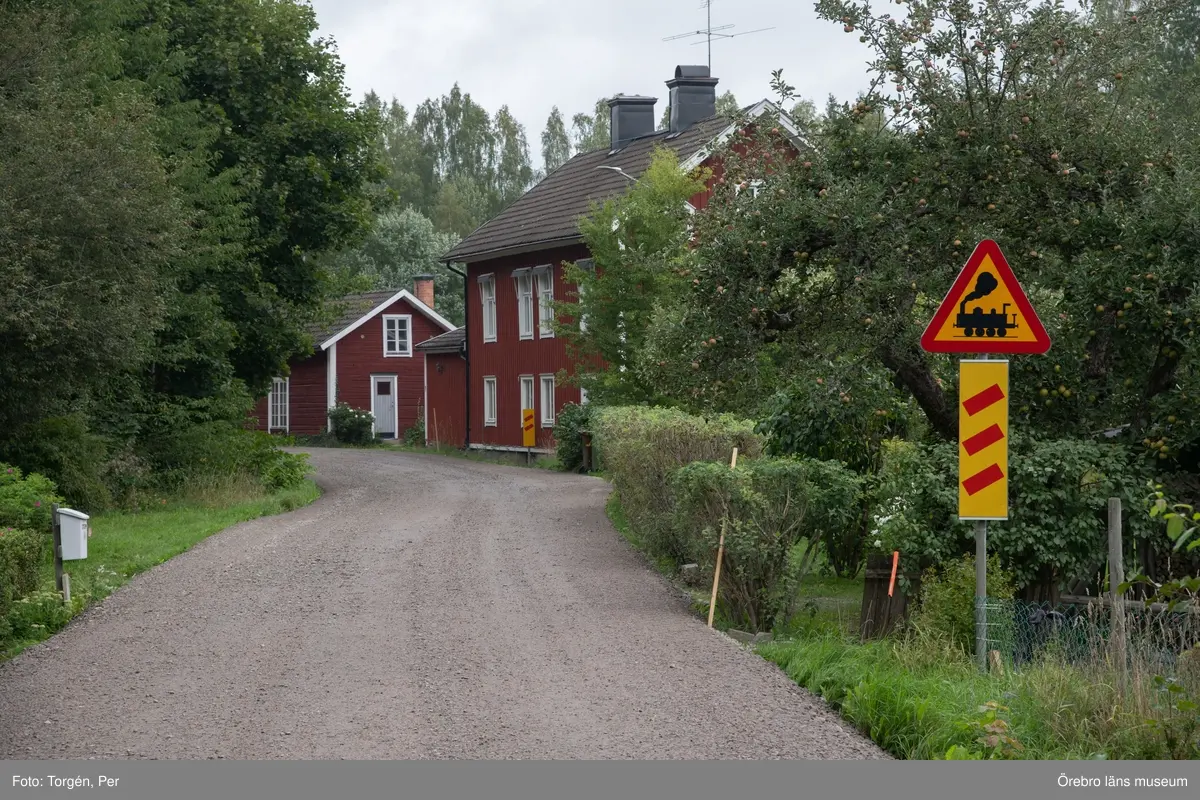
921,700
124,544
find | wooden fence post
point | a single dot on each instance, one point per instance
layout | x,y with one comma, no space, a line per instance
712,604
1116,576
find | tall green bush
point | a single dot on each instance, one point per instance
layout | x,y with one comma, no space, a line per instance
221,449
571,420
947,604
26,500
68,452
1058,498
779,512
641,447
21,555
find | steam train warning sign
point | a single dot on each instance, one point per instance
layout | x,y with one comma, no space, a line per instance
986,311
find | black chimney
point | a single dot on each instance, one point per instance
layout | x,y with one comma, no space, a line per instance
693,97
630,116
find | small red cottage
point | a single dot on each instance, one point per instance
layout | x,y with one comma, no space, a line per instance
514,266
367,359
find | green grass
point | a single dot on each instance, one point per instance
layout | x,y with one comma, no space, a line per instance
918,699
616,514
124,544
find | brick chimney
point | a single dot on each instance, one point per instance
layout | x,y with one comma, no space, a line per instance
423,289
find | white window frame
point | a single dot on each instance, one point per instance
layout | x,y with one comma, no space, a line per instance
272,417
582,396
406,319
528,392
523,278
545,296
487,299
754,187
547,400
490,401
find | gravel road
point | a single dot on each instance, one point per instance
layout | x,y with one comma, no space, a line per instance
424,608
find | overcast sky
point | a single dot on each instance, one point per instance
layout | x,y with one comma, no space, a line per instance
535,54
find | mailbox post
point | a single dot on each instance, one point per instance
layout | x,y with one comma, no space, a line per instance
70,544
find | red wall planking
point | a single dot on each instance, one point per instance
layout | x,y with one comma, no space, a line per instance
306,398
445,390
509,357
360,355
306,393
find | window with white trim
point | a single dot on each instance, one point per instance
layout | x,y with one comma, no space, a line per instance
489,401
527,398
583,397
487,296
524,281
545,290
753,187
397,335
278,404
547,401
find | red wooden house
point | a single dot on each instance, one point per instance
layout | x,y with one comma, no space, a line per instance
366,358
510,357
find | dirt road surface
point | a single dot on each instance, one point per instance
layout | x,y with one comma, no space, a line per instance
424,608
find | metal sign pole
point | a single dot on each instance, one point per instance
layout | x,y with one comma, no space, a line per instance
58,559
981,587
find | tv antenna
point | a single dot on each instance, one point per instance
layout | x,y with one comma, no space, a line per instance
709,32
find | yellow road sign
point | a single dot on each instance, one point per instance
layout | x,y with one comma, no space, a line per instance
986,311
983,440
527,425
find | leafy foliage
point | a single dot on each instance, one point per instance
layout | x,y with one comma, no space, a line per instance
26,500
775,514
401,245
1058,497
571,420
22,552
641,447
639,247
1012,122
352,425
947,603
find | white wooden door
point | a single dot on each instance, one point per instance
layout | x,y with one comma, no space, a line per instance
384,404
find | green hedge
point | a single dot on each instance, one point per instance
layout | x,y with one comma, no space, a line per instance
640,448
571,420
780,512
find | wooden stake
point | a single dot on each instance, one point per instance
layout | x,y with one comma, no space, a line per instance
895,564
66,589
1116,573
997,664
712,603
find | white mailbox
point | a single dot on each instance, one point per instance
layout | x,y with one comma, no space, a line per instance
73,526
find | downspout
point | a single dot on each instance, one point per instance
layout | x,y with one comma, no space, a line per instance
466,355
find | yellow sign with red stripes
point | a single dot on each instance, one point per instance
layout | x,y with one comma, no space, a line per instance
530,435
983,440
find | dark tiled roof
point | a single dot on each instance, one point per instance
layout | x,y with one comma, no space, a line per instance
549,213
449,342
346,311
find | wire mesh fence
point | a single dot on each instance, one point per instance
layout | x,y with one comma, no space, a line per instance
1154,639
